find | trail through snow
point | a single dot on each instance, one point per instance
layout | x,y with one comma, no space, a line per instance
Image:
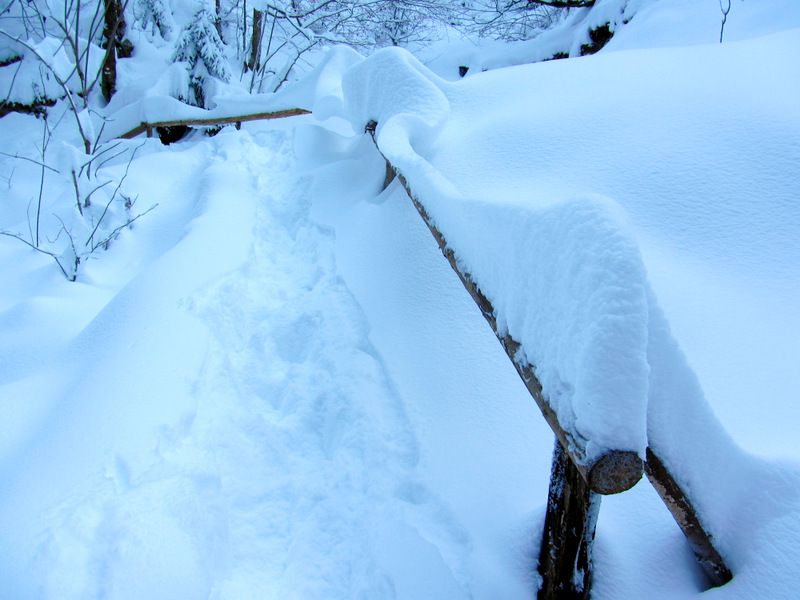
280,443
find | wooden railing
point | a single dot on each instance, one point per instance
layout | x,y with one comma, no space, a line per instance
147,127
576,487
573,500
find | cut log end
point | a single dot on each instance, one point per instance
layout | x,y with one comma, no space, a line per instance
615,472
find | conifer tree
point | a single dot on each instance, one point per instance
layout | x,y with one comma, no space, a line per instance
155,16
203,51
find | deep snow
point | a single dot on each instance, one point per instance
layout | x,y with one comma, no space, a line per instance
274,386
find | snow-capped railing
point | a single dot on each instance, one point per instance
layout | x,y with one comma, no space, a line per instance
576,486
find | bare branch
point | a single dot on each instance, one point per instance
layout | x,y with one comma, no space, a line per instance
33,160
117,230
725,10
114,195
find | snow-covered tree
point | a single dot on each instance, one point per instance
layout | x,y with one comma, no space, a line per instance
396,23
513,19
155,16
283,31
203,51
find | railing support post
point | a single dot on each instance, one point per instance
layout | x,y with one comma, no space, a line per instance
565,555
688,520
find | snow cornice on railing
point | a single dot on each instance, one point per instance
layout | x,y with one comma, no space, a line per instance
320,91
578,340
613,471
593,384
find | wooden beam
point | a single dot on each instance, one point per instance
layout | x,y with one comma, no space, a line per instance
688,520
613,472
565,554
213,121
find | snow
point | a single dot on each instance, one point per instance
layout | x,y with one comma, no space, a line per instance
703,202
250,397
710,194
272,385
517,250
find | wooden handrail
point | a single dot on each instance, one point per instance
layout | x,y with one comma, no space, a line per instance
148,126
575,486
613,472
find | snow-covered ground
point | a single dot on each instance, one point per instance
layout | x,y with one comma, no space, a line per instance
273,386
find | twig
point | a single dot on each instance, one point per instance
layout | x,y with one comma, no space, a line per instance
114,195
48,253
16,236
725,12
33,160
77,192
87,200
95,156
41,182
74,252
116,231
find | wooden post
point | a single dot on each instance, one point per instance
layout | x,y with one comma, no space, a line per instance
565,554
149,129
687,519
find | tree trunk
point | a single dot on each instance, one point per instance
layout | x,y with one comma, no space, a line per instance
244,31
255,41
113,32
108,81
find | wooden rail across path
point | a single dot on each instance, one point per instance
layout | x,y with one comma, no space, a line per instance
573,502
147,127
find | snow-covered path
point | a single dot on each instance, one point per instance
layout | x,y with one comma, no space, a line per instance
224,427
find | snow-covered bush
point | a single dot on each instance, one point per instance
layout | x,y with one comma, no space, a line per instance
78,204
203,51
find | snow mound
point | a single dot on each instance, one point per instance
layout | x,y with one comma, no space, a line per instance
395,90
564,275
